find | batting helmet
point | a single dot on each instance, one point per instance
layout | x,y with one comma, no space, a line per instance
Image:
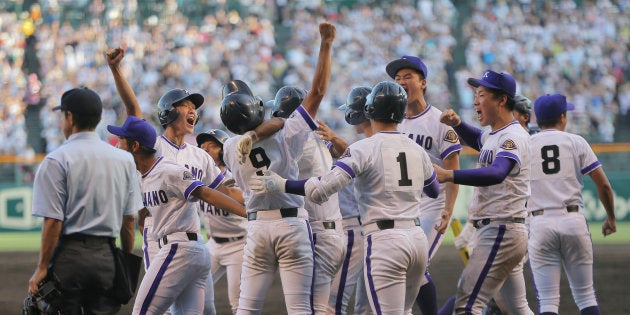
241,112
522,104
216,135
236,86
170,99
386,102
288,98
355,105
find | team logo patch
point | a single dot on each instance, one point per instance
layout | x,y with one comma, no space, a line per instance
509,145
451,136
345,154
188,176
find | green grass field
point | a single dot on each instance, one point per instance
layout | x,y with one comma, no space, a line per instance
29,241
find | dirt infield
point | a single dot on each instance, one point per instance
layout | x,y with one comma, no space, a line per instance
612,281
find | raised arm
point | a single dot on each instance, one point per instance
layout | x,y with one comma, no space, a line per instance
321,77
128,97
337,144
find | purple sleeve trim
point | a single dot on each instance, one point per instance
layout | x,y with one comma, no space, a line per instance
217,181
485,176
509,155
591,167
307,118
295,187
449,150
192,187
470,134
345,168
431,186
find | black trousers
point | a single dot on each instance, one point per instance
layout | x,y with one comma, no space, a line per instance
85,268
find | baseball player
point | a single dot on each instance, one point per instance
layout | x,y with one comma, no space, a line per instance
422,124
497,209
225,231
349,277
324,218
558,232
395,249
169,191
177,112
278,233
523,113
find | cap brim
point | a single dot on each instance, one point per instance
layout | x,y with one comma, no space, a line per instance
270,103
570,106
343,107
476,83
116,130
393,67
56,108
196,99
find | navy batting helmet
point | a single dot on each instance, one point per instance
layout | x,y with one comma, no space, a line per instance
355,105
241,112
386,102
166,114
217,135
288,98
236,86
522,104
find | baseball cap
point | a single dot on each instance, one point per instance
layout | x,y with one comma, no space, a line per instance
548,107
81,101
137,129
499,81
411,62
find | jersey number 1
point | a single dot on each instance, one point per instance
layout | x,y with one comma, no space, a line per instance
404,176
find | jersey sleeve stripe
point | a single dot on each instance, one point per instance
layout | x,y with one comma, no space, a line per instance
307,118
345,168
451,149
217,181
192,187
591,167
431,179
508,155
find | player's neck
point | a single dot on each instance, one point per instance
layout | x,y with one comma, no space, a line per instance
416,106
144,162
502,120
379,126
173,136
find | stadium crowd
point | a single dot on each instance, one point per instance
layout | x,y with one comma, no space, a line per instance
578,50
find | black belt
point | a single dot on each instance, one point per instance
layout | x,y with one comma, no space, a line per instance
389,224
191,237
483,222
284,212
221,240
572,208
87,238
329,225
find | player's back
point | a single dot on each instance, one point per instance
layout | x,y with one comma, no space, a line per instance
390,172
558,162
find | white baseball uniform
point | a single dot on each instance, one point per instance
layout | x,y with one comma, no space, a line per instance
177,273
389,172
558,232
278,233
325,221
201,165
499,215
349,277
226,241
440,141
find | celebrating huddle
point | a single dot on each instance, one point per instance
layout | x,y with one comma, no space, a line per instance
285,194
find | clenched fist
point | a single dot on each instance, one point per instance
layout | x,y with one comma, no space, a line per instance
449,117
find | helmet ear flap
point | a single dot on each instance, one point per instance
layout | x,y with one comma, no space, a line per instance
169,116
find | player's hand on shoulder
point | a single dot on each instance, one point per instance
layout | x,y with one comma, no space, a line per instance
449,117
269,182
244,146
327,31
115,55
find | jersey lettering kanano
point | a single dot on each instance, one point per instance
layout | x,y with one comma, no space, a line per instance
506,199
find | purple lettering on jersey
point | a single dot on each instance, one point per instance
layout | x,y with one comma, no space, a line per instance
486,157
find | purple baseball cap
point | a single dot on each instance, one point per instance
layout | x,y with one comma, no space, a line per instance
499,81
137,129
81,101
411,62
548,107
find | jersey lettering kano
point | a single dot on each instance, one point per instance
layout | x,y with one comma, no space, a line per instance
389,172
278,153
439,141
559,159
166,191
221,223
506,199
